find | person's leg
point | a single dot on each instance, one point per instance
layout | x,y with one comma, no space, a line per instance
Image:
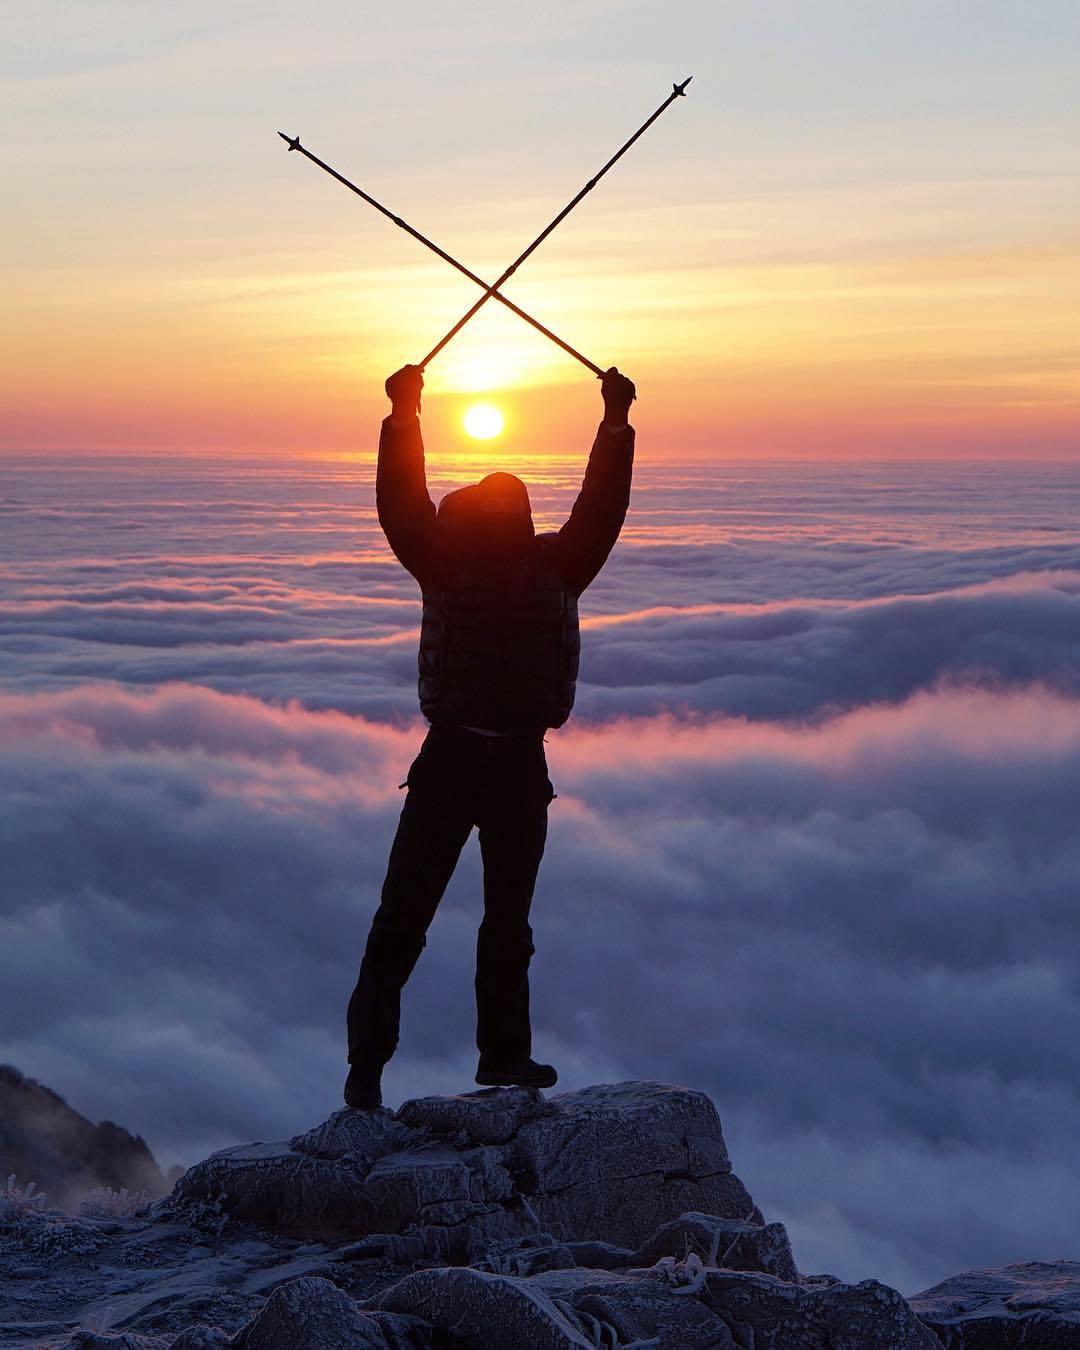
513,830
435,822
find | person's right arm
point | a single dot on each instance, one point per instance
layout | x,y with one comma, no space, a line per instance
406,512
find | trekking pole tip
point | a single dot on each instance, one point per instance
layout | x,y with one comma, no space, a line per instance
680,89
293,142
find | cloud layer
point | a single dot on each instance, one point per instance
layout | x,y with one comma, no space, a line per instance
859,937
814,849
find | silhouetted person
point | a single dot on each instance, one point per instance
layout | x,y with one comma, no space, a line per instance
499,649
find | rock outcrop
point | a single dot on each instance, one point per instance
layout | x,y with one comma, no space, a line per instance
43,1140
610,1163
1034,1305
607,1217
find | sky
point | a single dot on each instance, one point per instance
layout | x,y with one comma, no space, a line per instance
855,237
814,849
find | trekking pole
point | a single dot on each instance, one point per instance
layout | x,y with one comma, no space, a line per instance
677,91
293,143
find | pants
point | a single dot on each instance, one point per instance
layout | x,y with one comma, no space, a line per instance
459,779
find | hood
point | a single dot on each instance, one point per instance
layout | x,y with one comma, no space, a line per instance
489,518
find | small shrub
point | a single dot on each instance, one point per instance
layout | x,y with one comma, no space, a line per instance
105,1203
16,1200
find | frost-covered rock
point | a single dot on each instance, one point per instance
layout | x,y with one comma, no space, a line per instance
711,1310
492,1116
608,1163
311,1312
482,1309
727,1243
764,1311
1034,1305
201,1338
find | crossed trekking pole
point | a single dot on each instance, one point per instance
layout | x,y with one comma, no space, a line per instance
492,292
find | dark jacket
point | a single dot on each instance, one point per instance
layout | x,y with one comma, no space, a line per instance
499,643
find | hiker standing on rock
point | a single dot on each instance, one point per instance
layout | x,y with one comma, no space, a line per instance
499,646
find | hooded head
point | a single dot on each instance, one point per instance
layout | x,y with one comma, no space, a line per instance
492,518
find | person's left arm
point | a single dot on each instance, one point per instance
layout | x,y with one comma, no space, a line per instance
589,535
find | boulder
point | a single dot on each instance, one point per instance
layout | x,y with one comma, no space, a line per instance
313,1312
608,1163
615,1161
482,1310
310,1311
763,1311
1034,1304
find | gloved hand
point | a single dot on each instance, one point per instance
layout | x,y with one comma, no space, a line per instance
619,393
403,390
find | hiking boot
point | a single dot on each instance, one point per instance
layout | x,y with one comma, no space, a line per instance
363,1087
516,1073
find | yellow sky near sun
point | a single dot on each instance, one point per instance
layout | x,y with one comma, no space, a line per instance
265,359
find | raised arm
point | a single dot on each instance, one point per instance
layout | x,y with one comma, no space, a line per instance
406,512
589,535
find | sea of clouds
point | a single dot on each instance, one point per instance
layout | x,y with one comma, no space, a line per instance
814,850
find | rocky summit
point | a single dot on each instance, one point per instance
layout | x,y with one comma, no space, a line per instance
605,1217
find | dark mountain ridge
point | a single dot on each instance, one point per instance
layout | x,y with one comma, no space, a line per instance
44,1140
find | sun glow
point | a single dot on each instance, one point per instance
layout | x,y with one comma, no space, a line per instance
483,421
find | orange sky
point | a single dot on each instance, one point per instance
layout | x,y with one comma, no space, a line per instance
849,239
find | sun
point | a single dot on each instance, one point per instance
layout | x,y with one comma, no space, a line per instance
482,421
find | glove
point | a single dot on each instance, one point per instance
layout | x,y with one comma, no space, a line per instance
619,393
403,390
